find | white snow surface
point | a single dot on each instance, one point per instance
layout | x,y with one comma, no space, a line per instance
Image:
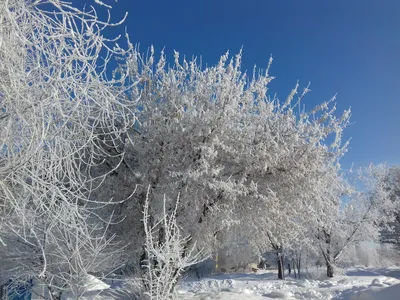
354,284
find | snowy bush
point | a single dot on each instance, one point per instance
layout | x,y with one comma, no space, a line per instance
167,254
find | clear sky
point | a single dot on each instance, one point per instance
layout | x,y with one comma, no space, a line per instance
346,47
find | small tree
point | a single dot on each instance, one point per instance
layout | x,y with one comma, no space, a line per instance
390,231
167,254
359,219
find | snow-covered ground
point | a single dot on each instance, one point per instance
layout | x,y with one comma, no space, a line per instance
356,284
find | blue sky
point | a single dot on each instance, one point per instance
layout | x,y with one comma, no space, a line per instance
346,47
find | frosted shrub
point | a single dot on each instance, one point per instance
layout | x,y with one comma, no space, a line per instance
166,254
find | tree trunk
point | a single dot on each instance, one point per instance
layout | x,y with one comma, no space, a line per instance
281,271
216,264
329,260
298,262
329,270
329,266
294,269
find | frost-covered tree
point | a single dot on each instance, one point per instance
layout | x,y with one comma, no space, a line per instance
390,232
232,153
166,254
244,164
292,215
59,115
358,218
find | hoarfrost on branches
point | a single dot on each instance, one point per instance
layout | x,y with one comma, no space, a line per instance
59,115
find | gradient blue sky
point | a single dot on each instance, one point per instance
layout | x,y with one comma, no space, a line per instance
346,47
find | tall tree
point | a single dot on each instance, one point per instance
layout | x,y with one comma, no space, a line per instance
215,137
58,115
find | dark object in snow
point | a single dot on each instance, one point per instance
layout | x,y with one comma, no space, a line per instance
18,290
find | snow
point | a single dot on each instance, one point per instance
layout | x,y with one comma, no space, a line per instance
354,284
92,286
